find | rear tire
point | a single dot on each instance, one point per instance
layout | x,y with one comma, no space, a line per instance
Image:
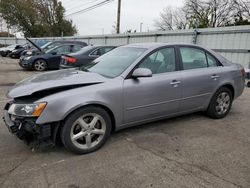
86,130
40,65
248,84
220,103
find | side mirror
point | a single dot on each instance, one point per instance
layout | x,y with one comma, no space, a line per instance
142,72
53,53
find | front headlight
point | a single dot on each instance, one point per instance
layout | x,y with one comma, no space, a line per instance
27,110
27,58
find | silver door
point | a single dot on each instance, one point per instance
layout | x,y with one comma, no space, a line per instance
156,96
199,77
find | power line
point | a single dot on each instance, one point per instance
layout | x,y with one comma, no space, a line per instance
76,5
91,7
79,5
66,2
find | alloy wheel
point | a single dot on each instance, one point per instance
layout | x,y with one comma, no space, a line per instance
40,65
223,103
87,131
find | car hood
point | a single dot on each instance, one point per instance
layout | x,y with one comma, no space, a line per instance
55,80
37,47
10,48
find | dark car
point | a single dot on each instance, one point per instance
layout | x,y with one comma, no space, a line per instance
5,51
17,52
84,56
50,59
41,49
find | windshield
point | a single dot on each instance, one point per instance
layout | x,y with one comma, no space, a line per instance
12,46
50,46
45,45
115,62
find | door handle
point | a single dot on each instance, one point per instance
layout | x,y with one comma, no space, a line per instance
214,77
175,83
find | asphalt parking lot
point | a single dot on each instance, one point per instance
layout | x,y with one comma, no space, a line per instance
188,151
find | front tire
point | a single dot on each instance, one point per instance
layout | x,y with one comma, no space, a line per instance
86,130
220,103
40,65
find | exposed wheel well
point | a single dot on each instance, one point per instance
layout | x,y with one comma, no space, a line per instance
231,88
112,117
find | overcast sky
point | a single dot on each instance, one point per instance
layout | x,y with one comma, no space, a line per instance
102,18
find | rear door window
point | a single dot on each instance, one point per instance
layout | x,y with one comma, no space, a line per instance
76,48
101,51
63,49
105,50
193,58
211,62
95,53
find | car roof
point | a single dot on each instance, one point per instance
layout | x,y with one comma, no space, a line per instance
158,44
152,46
70,41
88,49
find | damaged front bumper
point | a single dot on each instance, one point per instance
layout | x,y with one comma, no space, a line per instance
26,129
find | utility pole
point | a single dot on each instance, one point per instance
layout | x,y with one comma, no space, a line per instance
118,17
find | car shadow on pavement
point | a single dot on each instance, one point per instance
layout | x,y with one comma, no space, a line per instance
157,126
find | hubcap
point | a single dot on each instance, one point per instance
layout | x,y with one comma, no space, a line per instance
223,103
87,131
39,65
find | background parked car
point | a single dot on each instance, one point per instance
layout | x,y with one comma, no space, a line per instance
50,59
5,51
17,52
41,49
84,56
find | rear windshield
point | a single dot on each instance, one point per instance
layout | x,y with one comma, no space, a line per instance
84,50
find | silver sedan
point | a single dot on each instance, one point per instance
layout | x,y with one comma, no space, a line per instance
128,86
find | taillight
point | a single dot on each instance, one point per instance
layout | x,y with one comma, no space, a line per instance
243,73
69,59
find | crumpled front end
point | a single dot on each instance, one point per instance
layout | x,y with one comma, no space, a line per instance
26,129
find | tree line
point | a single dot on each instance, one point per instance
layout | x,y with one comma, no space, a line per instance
37,18
205,14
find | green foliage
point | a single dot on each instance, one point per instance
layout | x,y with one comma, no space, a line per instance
37,18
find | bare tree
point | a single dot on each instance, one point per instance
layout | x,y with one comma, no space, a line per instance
165,22
242,12
180,19
205,13
197,13
171,19
220,12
